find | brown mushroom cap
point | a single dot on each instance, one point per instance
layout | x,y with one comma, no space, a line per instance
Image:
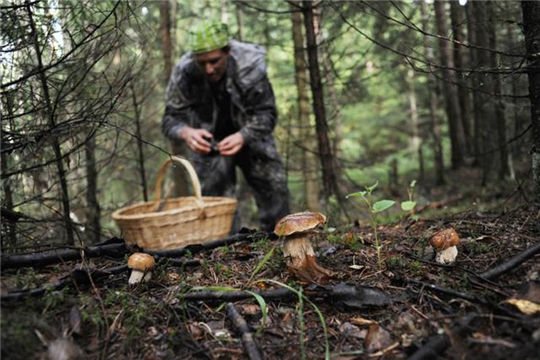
444,239
141,262
298,222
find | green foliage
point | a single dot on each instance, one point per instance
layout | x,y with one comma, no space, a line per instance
379,206
302,298
375,208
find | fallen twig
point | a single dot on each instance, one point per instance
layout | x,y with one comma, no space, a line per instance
437,344
192,249
512,263
451,292
77,276
238,321
112,248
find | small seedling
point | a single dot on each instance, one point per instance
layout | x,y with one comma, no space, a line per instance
375,208
411,203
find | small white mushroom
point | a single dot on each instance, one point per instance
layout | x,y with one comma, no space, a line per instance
444,243
142,265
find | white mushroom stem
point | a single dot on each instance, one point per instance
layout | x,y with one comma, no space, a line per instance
447,256
137,276
297,247
301,258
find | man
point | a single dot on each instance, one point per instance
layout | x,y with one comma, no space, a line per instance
221,104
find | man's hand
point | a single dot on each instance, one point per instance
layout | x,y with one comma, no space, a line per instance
197,139
231,144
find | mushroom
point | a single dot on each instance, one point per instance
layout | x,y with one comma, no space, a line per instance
142,265
296,230
444,243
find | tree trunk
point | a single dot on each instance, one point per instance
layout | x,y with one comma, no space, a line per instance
321,125
166,40
140,144
500,117
10,224
461,62
476,96
180,179
93,214
415,141
531,25
453,113
50,117
434,123
309,162
335,119
485,123
240,21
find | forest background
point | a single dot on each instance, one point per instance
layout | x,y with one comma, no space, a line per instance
367,91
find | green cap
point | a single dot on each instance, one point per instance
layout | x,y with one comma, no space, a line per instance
208,36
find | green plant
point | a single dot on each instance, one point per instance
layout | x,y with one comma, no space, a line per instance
302,298
375,208
411,203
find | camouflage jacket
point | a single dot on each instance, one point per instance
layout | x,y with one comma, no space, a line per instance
190,101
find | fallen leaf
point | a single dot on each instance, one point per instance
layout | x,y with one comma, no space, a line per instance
361,321
250,309
351,330
377,338
75,320
525,306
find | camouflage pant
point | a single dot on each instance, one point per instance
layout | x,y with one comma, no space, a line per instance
263,170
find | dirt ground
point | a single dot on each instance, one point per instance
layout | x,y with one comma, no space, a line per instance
207,306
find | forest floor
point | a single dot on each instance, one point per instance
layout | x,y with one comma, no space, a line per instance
239,301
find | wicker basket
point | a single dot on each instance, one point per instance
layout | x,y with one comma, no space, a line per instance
181,221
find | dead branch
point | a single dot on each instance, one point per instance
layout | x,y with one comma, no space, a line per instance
437,345
117,249
512,263
438,204
113,248
209,245
253,351
78,277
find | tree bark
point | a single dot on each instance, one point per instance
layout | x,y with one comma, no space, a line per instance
10,224
453,113
240,21
50,117
321,125
531,25
166,40
140,144
415,140
93,226
335,119
485,114
310,169
178,148
461,62
434,123
500,117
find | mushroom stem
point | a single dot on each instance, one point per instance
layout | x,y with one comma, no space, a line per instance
301,259
447,256
138,276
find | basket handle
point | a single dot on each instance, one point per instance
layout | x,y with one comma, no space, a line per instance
192,174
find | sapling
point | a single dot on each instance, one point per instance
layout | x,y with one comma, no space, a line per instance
375,208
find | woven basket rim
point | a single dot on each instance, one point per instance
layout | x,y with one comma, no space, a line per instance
219,200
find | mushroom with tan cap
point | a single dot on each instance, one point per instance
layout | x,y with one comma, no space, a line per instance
142,265
444,243
296,230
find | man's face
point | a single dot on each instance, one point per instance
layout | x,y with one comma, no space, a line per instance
213,64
